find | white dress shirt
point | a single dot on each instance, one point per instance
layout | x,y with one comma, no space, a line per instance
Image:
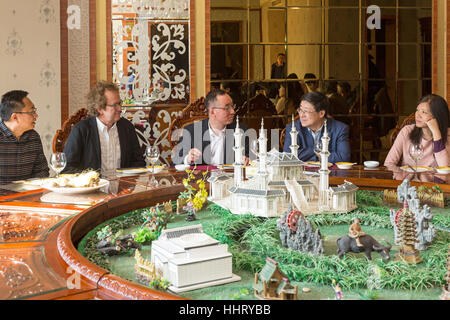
217,146
109,147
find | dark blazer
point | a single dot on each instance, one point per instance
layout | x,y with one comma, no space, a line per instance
83,146
196,135
339,145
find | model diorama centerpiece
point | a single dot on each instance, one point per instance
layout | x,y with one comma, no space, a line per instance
279,182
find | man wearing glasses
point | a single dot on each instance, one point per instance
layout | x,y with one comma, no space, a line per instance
21,153
104,141
313,112
211,141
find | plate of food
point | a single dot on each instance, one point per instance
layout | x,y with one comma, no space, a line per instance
84,182
316,163
416,169
132,170
344,165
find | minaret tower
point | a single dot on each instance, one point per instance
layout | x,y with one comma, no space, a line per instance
294,137
238,155
324,172
262,155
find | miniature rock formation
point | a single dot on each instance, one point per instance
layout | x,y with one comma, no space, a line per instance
423,216
297,233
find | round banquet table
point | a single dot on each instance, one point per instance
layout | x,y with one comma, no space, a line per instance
55,225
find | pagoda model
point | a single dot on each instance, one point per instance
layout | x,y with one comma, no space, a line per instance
446,290
408,235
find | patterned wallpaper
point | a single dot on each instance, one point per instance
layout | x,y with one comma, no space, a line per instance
30,59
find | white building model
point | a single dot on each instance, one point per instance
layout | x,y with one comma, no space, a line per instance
190,259
280,181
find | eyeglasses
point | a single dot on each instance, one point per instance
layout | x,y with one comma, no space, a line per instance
116,105
300,110
227,108
34,112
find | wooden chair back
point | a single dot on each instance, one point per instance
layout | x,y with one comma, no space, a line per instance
411,119
195,111
60,138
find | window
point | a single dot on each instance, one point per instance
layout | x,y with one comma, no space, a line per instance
374,77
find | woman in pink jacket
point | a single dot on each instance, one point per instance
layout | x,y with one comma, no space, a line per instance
431,131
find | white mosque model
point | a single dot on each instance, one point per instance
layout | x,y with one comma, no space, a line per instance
280,181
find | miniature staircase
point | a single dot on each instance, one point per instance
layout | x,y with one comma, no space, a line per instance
297,195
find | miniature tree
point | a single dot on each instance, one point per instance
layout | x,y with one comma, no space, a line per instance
408,235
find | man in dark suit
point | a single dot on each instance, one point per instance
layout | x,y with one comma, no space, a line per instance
313,112
104,141
211,141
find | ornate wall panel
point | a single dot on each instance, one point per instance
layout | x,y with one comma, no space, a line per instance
30,59
79,60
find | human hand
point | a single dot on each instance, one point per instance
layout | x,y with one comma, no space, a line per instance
246,161
193,155
433,125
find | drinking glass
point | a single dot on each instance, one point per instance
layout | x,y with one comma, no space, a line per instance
416,153
58,162
254,147
152,155
318,147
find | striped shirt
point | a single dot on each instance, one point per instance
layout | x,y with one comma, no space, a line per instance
23,159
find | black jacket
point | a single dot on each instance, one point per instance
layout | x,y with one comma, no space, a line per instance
196,135
83,146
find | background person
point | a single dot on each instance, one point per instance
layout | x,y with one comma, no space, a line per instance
431,131
104,141
313,111
210,141
21,153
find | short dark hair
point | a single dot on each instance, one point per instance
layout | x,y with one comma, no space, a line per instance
310,77
318,100
211,97
12,101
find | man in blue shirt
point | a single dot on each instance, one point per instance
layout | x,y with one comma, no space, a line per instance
313,112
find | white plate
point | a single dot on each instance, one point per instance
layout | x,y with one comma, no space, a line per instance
132,170
68,190
443,170
418,169
182,167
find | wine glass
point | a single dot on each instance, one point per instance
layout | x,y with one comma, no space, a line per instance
254,147
58,162
152,155
318,147
416,152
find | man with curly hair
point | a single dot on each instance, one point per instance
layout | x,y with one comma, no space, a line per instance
104,141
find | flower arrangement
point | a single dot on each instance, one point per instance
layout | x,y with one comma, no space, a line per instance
195,196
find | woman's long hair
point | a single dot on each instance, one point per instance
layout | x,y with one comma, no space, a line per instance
439,110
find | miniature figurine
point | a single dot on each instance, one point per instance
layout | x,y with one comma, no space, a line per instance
346,244
272,284
355,231
337,290
271,190
408,235
423,216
